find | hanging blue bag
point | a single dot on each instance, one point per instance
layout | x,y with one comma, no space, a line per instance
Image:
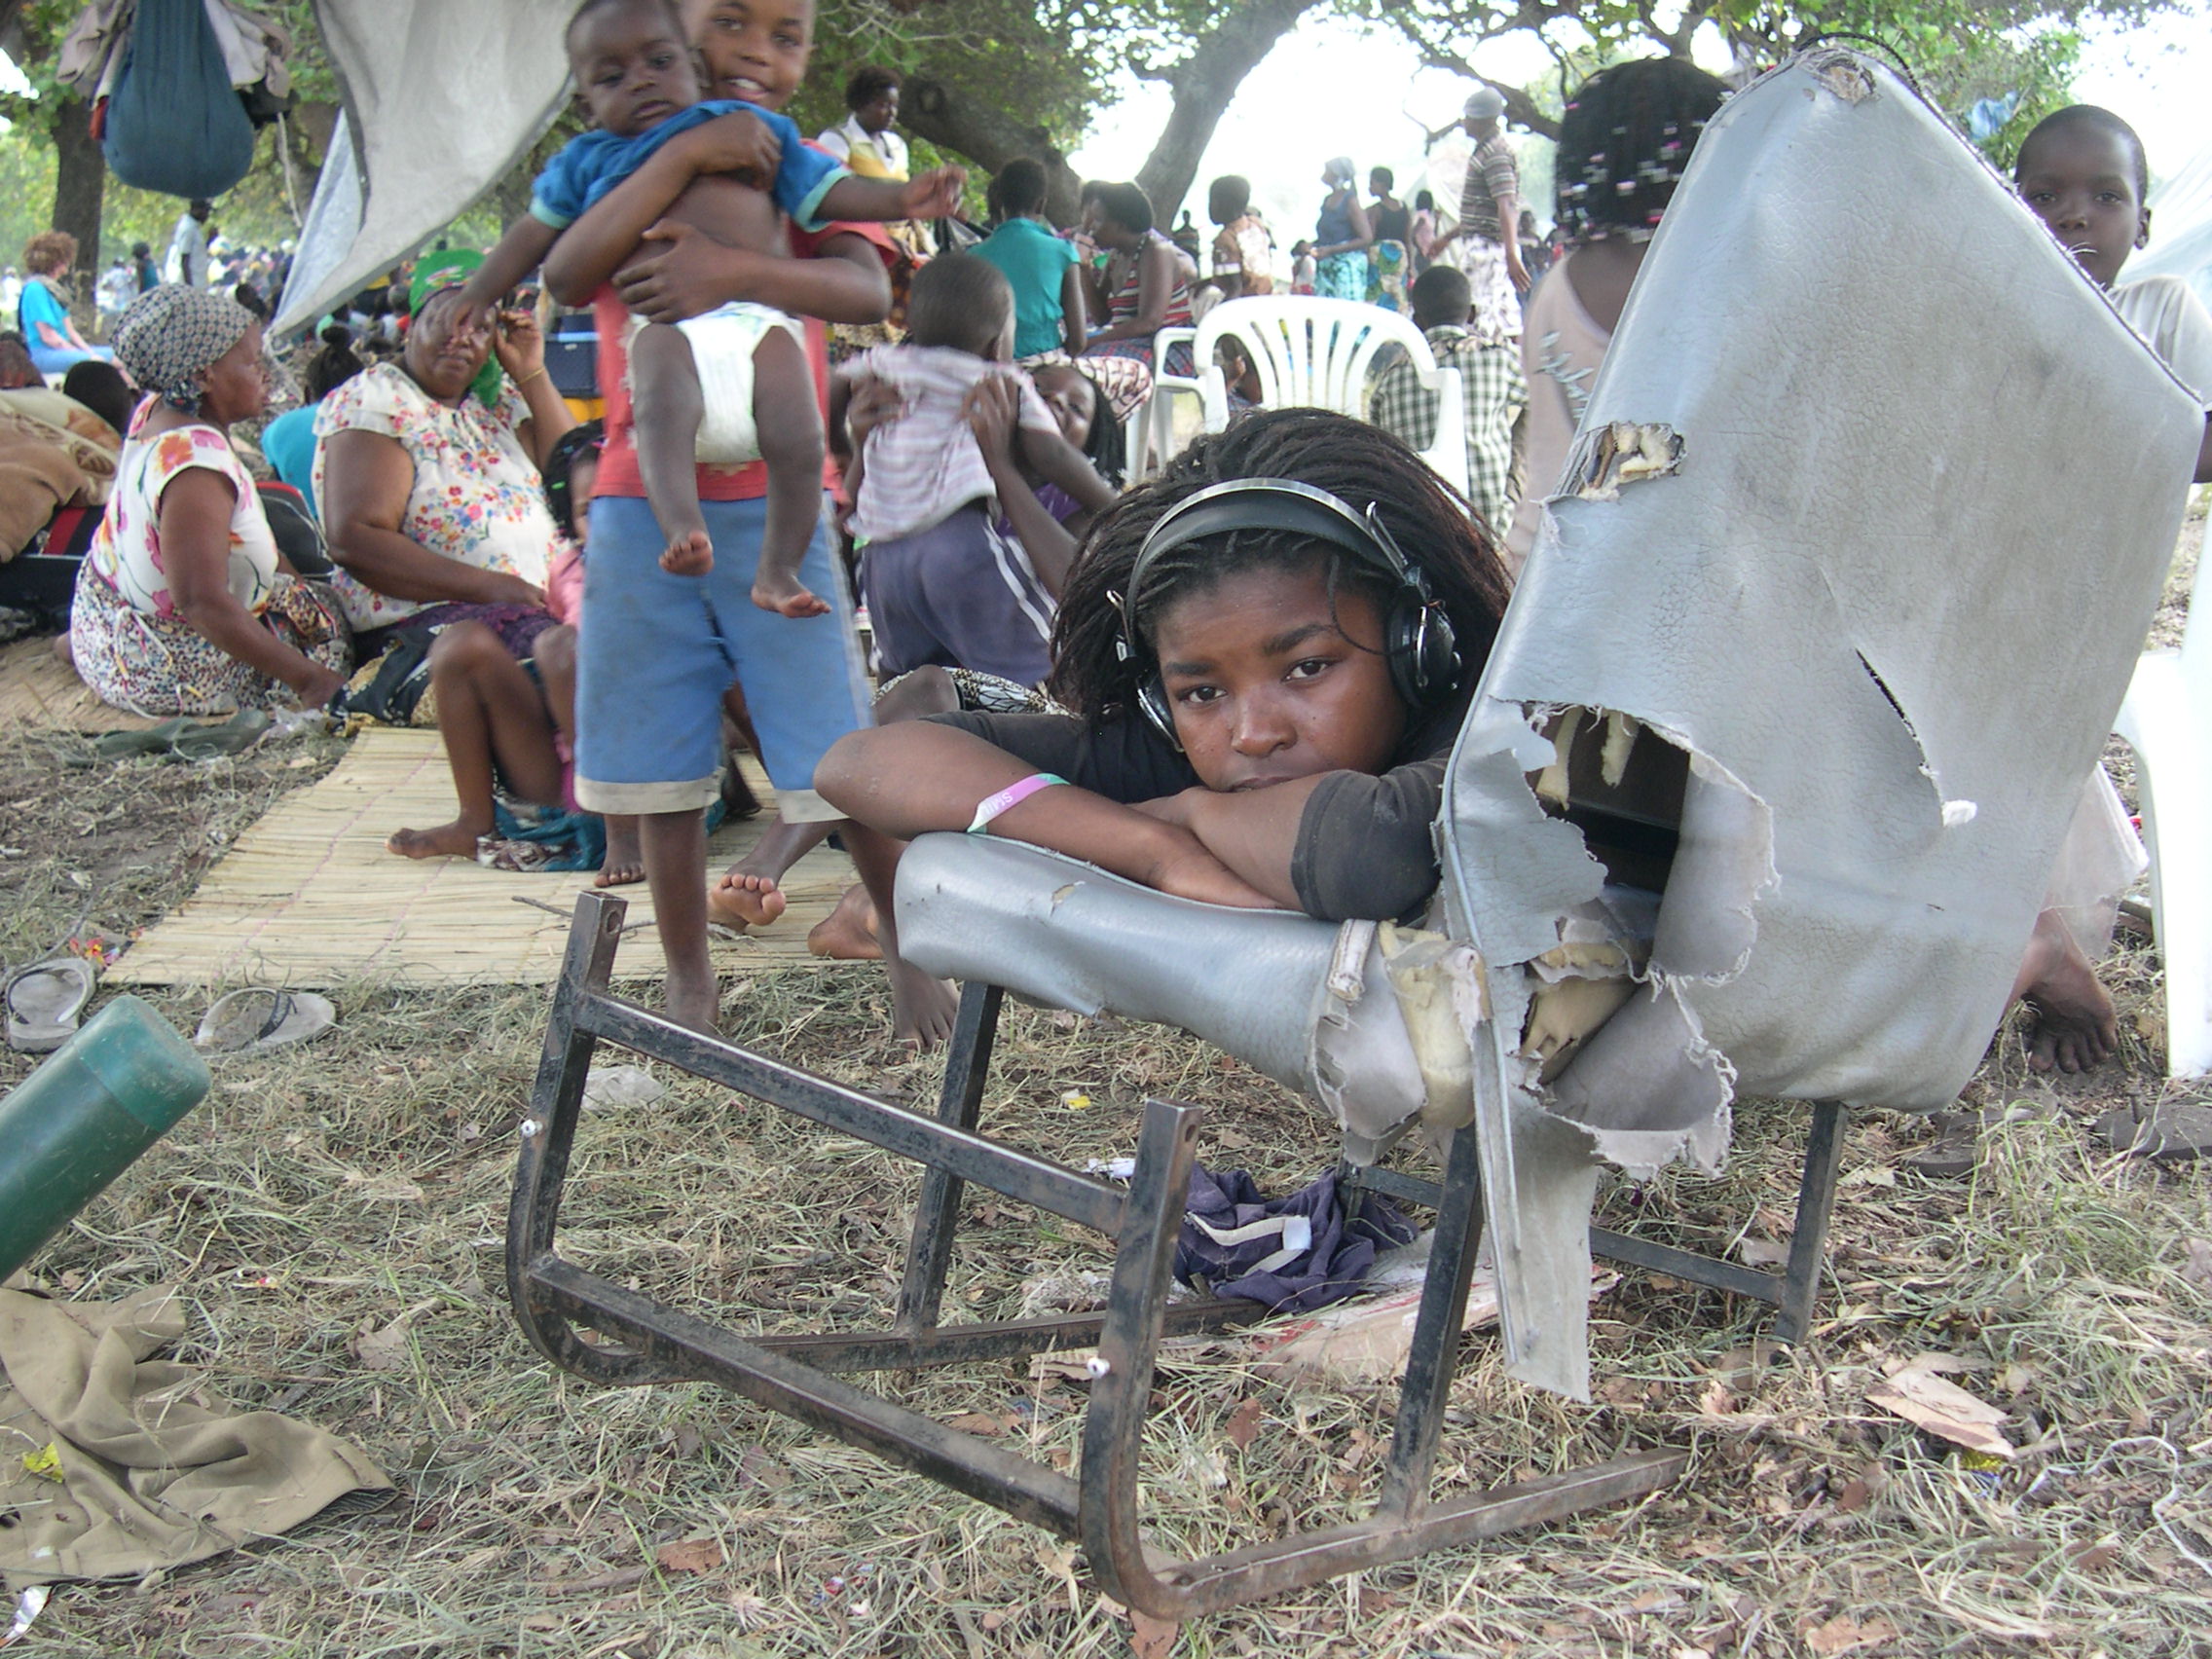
174,122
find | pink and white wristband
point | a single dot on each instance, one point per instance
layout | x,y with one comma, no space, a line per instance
1013,796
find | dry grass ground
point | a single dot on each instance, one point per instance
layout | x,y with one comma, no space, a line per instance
336,1216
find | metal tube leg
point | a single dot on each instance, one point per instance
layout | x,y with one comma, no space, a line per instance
1113,1429
1434,1357
1816,1200
936,1213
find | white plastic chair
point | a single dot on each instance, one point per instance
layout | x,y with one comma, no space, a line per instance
1310,352
1317,352
2167,721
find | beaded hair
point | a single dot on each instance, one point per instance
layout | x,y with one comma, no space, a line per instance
1624,142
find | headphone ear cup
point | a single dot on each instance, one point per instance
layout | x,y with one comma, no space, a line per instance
1152,698
1423,652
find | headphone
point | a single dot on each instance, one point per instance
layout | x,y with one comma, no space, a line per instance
1418,642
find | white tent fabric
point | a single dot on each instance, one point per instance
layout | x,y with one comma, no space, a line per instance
441,97
2180,228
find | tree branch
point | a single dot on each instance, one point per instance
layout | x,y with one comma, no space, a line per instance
1206,82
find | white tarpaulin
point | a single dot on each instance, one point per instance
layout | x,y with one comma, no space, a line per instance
2180,228
442,96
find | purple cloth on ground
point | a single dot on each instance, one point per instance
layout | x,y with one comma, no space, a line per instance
1341,1255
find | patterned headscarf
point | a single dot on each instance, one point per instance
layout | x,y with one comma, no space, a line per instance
449,269
170,333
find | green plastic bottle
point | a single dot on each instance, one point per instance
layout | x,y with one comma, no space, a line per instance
82,1118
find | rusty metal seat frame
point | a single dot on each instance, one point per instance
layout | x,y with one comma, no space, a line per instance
556,1301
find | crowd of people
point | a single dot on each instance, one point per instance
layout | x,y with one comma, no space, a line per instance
1237,682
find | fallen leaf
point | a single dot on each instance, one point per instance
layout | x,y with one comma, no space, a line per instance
1846,1636
1763,1253
1855,1494
1654,1601
978,1422
2198,1270
387,1348
692,1555
1243,1426
1151,1638
1869,1175
1944,1409
2095,1557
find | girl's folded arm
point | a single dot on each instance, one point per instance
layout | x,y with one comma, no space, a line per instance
917,776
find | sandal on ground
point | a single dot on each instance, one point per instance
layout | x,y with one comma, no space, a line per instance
152,740
44,1001
260,1017
2174,1131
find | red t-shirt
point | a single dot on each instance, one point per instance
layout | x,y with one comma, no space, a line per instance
747,481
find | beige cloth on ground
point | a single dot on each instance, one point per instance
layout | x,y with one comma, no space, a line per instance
150,1473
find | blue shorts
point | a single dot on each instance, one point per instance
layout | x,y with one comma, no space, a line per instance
655,653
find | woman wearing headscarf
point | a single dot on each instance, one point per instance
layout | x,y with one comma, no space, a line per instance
184,605
1341,235
426,470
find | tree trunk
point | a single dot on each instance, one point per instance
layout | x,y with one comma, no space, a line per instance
988,136
1204,84
80,181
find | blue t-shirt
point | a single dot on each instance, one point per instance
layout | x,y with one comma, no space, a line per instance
1034,261
593,164
287,444
39,303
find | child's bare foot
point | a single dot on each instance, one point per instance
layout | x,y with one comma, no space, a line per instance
455,840
847,934
740,900
691,554
786,596
922,1009
2076,1026
625,862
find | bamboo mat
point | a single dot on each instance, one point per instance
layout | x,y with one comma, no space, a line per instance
38,688
310,897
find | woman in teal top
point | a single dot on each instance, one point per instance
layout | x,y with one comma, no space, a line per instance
287,443
1043,267
43,312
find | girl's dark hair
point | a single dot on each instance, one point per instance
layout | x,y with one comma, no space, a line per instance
334,365
1390,179
1127,205
870,83
1425,202
560,466
2102,119
248,296
1360,464
1625,139
1230,197
101,387
1021,187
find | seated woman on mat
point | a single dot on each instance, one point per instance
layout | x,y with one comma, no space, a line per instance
184,605
1267,651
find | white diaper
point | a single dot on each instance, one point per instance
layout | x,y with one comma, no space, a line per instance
723,342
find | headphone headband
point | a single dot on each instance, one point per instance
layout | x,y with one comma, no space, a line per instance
1286,504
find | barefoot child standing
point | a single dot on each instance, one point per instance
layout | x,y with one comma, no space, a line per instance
731,385
657,651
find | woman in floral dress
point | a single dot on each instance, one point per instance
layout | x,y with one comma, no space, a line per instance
184,605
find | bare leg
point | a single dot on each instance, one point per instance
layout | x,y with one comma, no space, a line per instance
848,932
487,707
748,895
921,1008
664,392
676,859
555,656
790,423
2076,1027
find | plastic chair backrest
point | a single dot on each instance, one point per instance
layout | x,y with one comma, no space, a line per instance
1316,353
